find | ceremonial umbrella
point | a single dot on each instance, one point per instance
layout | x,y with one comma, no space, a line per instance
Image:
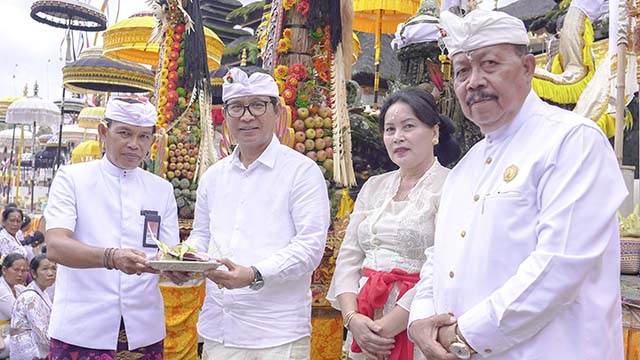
129,40
68,14
32,110
90,117
381,16
95,73
86,151
72,15
4,104
75,134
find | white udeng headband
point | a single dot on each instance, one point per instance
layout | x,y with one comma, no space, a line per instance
480,28
131,111
237,83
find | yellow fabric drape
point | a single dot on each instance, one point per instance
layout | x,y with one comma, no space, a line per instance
563,93
181,309
326,339
346,204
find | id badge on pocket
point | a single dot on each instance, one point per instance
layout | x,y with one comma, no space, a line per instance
151,228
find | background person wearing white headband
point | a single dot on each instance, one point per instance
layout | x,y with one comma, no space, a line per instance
95,233
526,253
264,210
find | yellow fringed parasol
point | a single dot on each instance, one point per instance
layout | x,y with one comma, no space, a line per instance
378,17
90,117
357,49
95,73
128,40
86,151
5,102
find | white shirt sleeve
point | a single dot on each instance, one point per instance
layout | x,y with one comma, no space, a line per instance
422,305
200,234
309,204
169,232
61,206
578,197
348,271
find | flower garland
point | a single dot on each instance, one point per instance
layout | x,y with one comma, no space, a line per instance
284,44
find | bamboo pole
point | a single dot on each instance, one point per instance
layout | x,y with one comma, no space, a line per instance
19,160
621,42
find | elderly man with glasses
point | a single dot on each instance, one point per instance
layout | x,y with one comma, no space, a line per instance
264,212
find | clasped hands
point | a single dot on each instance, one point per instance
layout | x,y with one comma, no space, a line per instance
434,335
373,336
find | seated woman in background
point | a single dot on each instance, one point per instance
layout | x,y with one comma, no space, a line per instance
31,312
11,235
390,228
14,271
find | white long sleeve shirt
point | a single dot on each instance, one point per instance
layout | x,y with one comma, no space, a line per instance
101,204
273,215
526,248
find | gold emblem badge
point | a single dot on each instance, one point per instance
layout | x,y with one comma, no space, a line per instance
510,173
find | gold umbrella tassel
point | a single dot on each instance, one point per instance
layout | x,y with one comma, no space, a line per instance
343,173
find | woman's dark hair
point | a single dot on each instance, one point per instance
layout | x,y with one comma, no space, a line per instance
9,210
34,239
26,221
11,258
35,262
424,107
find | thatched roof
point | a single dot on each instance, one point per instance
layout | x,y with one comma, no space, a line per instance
364,69
250,14
528,9
214,16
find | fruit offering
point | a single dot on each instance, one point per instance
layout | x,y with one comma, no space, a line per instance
313,131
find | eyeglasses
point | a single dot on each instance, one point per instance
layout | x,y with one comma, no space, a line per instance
236,110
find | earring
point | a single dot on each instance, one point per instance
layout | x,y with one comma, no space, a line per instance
435,141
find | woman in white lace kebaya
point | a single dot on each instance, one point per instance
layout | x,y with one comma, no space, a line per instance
390,228
11,235
14,272
31,312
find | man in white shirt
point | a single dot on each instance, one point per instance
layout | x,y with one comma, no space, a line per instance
95,225
264,211
526,257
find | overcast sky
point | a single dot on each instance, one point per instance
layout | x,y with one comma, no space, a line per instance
34,51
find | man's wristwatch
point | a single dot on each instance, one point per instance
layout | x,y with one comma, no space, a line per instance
460,348
258,282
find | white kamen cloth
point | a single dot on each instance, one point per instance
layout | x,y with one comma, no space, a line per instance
418,29
384,234
273,215
30,319
531,265
101,204
481,28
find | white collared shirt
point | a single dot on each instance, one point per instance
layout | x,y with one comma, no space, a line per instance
526,248
273,215
101,204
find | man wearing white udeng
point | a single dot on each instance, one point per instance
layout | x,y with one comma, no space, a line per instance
265,209
526,253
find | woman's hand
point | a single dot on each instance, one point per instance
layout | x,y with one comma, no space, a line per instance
393,323
367,333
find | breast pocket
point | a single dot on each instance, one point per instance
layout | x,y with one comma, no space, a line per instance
508,223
